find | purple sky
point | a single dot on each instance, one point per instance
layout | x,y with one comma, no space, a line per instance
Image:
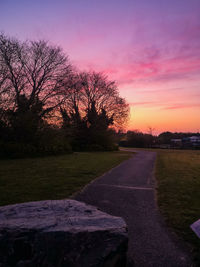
150,47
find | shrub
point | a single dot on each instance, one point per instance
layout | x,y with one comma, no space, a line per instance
21,150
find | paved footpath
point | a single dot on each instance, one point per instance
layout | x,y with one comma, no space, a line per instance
128,191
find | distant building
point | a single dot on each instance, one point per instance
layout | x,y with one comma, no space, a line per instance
194,139
191,142
176,143
186,142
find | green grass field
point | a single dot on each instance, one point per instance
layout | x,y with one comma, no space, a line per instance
54,177
58,177
178,177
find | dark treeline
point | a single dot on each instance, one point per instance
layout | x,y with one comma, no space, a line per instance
47,106
163,140
136,139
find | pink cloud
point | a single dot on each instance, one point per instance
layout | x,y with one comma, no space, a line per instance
170,69
147,103
182,106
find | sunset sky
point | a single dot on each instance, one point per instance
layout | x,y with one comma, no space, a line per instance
150,47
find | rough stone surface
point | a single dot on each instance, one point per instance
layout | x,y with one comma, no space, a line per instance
60,233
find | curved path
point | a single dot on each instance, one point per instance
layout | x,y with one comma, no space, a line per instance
128,191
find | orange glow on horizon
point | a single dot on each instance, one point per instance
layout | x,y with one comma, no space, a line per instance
181,120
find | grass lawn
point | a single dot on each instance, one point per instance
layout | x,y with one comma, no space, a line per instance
54,177
178,177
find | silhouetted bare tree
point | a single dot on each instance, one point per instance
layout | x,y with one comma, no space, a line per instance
93,103
36,70
32,78
94,90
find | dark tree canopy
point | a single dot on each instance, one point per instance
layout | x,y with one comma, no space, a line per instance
92,105
93,90
36,70
32,77
38,84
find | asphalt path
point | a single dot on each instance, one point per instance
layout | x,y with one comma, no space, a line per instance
128,191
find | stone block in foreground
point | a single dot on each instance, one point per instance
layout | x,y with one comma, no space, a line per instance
60,233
